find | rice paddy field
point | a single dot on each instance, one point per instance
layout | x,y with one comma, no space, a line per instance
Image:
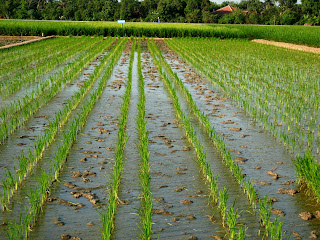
292,34
142,138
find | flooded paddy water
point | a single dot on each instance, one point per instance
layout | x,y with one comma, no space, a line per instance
182,207
264,160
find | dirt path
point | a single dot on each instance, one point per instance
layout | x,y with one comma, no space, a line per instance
24,40
289,45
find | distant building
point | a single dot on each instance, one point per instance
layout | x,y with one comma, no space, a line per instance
227,10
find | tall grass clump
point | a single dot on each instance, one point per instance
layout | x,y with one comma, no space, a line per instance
308,171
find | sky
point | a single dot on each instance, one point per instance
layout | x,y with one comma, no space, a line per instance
237,1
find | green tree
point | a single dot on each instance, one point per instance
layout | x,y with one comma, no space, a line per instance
239,17
286,4
207,17
289,17
68,8
110,11
270,15
171,10
193,10
129,9
311,7
7,8
52,10
148,7
252,6
21,12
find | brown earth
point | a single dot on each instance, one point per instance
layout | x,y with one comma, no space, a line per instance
289,45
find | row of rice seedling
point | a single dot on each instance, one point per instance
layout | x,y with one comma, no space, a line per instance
38,195
218,141
229,213
21,64
27,164
8,55
146,211
108,214
17,112
298,101
283,99
12,83
87,51
24,60
37,28
26,78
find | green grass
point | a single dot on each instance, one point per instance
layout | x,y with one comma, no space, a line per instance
36,28
292,34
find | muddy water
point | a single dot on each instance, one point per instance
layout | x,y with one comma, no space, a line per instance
25,90
22,64
175,176
181,207
246,214
259,155
89,166
24,137
38,124
130,189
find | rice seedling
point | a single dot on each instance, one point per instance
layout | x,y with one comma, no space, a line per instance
34,56
36,28
264,212
308,172
292,122
21,110
231,221
60,118
216,139
108,214
223,198
193,139
146,211
39,194
25,78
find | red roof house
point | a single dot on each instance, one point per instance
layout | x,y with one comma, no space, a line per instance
227,10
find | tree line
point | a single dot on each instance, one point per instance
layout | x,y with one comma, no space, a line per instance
285,12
